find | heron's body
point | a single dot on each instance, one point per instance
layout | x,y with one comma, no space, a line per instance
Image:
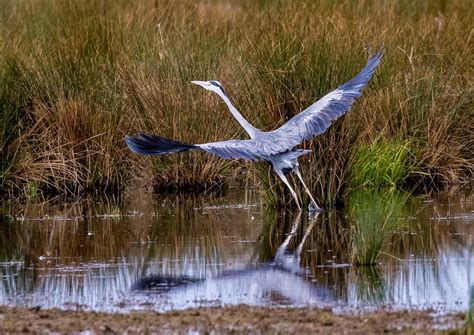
279,146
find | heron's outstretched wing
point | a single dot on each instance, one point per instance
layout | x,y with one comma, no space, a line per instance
318,117
147,144
233,149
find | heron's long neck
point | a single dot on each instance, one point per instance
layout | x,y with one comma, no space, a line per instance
251,130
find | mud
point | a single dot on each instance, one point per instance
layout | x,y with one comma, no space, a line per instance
238,319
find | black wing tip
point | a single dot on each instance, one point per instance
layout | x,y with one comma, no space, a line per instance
148,144
133,142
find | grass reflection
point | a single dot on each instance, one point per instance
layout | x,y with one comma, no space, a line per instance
77,232
93,252
96,248
375,214
470,314
276,223
369,284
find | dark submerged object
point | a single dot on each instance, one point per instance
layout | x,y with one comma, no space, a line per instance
163,283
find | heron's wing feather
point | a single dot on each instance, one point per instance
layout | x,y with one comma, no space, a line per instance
318,117
233,149
148,144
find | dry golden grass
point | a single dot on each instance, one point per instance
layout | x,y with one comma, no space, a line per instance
75,77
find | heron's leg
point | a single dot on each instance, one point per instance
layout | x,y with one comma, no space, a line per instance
283,247
313,206
299,248
293,193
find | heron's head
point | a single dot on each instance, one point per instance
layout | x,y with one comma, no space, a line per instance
211,85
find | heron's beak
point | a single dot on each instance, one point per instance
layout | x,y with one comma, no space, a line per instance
200,83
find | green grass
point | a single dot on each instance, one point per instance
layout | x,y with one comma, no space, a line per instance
383,165
75,77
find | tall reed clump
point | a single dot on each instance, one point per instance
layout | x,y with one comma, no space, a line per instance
77,76
313,67
65,102
416,106
81,77
10,79
167,104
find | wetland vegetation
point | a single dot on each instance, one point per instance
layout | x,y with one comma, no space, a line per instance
76,77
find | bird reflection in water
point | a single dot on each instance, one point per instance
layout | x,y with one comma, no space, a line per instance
281,280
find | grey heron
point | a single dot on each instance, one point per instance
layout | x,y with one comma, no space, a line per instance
279,146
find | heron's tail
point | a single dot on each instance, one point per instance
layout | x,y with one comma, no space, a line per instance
147,144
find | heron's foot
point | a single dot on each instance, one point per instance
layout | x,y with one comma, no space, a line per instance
313,207
313,215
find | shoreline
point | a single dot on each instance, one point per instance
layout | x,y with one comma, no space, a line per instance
233,319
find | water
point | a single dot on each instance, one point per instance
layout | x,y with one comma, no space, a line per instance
144,252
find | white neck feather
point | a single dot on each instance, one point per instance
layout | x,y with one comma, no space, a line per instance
251,130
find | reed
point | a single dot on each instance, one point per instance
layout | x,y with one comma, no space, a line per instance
383,165
75,77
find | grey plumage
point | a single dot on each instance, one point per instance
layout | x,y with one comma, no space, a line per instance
276,146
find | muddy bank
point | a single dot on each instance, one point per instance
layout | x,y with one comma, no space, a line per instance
239,319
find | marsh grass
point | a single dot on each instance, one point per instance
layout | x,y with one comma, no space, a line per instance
383,165
75,77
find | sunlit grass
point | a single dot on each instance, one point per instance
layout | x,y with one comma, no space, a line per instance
383,165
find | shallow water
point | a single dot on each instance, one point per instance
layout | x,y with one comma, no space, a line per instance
162,253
